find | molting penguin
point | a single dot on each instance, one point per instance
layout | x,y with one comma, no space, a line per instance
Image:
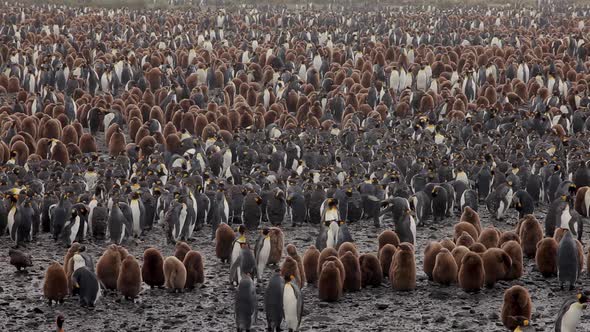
224,239
517,302
570,314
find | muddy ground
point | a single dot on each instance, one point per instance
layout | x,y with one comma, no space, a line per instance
429,308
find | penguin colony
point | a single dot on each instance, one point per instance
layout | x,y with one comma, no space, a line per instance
236,124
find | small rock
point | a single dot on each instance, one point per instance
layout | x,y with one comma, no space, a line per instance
37,310
440,319
382,306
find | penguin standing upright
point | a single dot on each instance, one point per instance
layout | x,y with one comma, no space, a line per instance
523,203
246,307
22,229
292,304
276,207
244,265
405,228
332,234
297,208
262,251
118,225
86,284
570,314
568,268
273,302
499,200
438,203
71,228
138,213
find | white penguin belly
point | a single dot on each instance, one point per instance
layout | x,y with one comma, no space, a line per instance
413,229
290,307
571,319
122,234
11,214
182,219
135,212
331,215
587,203
263,256
500,210
235,252
74,229
565,219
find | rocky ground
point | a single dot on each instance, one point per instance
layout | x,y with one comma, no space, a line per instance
429,308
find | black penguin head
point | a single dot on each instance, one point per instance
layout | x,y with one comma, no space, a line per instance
265,231
583,297
60,321
434,192
289,278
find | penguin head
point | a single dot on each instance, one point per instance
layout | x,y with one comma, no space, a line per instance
583,298
59,321
289,278
265,232
434,192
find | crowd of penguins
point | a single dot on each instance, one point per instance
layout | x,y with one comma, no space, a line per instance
250,119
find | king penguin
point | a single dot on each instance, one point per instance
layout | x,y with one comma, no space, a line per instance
292,304
273,302
570,314
245,304
262,250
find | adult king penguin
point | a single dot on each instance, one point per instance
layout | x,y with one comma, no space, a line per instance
570,314
292,304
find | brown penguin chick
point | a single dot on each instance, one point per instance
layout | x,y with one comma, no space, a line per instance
69,135
582,201
489,237
292,252
517,302
330,283
108,267
530,234
19,259
387,236
347,247
466,227
311,259
55,285
402,272
471,216
465,240
324,254
445,268
59,153
496,264
195,274
559,233
117,143
513,249
371,273
152,270
181,249
87,143
508,236
352,276
224,239
471,273
386,257
546,257
447,243
277,242
129,280
432,249
122,252
458,254
174,274
478,248
52,129
290,268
